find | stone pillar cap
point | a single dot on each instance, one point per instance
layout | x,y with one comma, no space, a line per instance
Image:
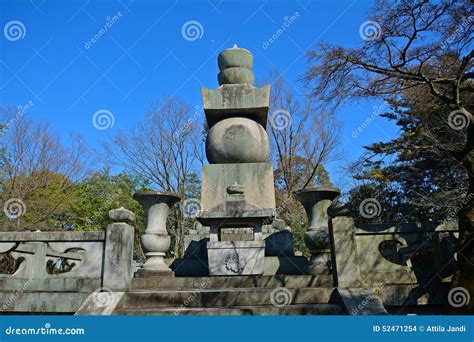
122,215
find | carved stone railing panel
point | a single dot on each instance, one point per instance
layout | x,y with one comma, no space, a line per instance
34,251
71,261
407,253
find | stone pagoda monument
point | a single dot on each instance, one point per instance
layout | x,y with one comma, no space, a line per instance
237,185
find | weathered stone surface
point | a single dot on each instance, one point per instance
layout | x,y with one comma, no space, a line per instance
257,178
84,258
412,253
235,65
268,310
203,296
122,215
235,75
236,257
156,241
118,271
57,284
362,301
100,303
346,257
51,236
42,302
235,57
231,282
316,202
237,140
236,100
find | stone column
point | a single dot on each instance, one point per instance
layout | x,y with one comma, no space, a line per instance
156,240
118,256
316,202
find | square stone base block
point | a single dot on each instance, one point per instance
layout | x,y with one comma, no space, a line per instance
144,273
257,178
230,258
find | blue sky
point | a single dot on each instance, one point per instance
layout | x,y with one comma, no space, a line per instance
144,55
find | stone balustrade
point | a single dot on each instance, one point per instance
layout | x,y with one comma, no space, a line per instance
56,271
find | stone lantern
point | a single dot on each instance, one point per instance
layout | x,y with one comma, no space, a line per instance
316,202
156,240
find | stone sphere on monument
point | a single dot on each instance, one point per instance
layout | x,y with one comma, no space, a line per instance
237,140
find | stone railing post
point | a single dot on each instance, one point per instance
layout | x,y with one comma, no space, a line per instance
345,254
156,240
316,202
118,256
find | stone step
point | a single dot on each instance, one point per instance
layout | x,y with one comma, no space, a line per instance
294,281
268,310
140,299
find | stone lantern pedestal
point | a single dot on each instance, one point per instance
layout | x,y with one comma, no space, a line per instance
316,202
156,240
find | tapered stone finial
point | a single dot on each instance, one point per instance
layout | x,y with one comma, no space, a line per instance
235,65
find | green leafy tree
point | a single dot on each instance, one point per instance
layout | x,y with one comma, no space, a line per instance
99,193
